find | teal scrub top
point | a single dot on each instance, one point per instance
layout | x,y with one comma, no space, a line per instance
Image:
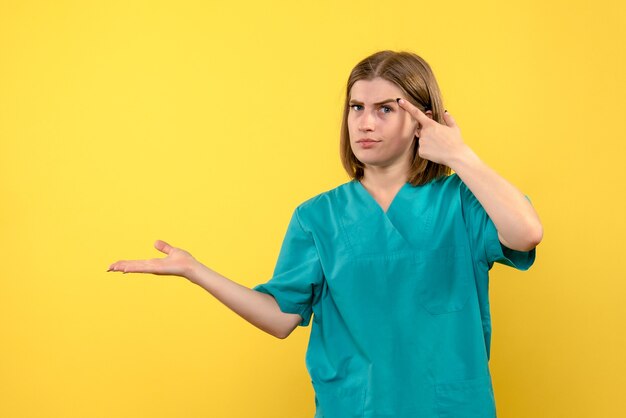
402,326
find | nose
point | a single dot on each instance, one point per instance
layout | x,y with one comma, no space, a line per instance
366,122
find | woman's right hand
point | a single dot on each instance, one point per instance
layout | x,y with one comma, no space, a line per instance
177,263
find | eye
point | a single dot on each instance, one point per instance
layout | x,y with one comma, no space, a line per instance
387,107
353,106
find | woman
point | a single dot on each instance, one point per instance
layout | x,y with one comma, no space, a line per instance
393,263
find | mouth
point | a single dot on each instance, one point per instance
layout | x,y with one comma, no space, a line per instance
367,143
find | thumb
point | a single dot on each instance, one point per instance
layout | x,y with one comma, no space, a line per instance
449,119
163,246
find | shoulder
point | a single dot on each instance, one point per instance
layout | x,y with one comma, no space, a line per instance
453,184
322,205
457,191
324,199
453,180
460,188
445,185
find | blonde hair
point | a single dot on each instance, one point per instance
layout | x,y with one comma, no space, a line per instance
415,78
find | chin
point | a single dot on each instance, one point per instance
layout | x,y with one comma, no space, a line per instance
370,162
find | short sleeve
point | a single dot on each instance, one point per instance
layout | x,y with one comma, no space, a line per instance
298,272
484,236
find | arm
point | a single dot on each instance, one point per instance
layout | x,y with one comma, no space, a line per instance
517,222
258,308
518,225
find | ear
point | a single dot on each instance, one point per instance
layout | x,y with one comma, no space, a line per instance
428,113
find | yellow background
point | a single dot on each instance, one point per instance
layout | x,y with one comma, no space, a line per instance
206,123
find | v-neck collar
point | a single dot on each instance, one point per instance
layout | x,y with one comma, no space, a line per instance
368,196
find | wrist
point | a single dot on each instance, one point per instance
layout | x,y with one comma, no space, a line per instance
193,270
465,156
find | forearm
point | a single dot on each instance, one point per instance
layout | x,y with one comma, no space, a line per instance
258,308
517,222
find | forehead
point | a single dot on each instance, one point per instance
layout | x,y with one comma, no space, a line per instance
374,90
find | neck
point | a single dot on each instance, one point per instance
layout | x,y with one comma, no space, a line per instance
384,178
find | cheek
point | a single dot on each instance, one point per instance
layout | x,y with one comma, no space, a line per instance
408,124
409,130
404,129
401,125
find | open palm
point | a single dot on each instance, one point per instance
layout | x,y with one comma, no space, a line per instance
177,263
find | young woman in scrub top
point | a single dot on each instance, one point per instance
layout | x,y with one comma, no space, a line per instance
393,263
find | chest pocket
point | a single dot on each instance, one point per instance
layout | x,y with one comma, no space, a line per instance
446,279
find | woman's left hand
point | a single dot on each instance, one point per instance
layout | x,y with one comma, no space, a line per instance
438,143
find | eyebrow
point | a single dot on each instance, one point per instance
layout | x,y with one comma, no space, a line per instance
375,104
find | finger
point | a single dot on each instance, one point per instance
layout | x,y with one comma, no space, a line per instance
414,111
163,246
134,266
114,266
117,266
139,266
449,119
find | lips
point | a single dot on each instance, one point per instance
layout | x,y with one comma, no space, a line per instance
367,143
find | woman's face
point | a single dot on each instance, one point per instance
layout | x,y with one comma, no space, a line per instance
375,115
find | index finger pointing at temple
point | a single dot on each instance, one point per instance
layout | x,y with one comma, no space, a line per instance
414,111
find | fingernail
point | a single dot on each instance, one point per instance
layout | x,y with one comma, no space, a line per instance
445,111
399,100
